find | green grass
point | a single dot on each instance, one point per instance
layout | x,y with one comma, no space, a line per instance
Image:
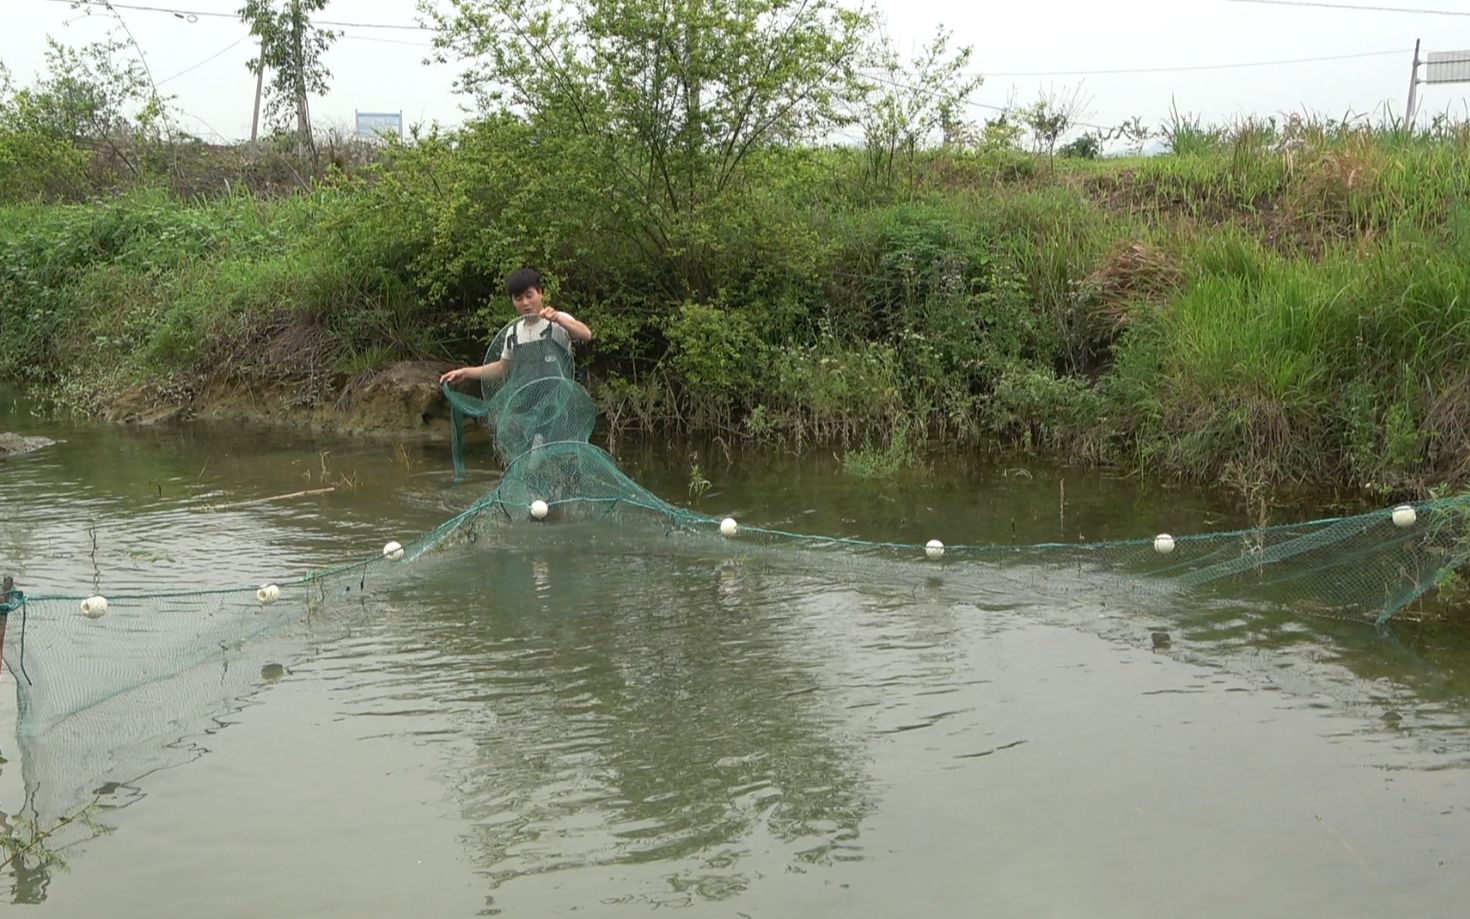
885,460
1298,370
1273,302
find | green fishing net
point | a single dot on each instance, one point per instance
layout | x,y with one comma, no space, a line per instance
533,399
87,670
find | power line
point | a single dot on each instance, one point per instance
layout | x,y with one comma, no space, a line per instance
212,129
180,14
387,41
1356,7
194,15
994,108
1008,110
193,67
1191,67
188,15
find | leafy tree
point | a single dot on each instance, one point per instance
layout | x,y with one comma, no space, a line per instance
1051,116
1083,147
292,47
1135,132
97,98
94,93
1003,132
908,104
667,102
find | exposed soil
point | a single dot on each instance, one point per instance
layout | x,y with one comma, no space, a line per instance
401,399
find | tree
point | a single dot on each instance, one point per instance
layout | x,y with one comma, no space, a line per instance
1085,146
94,101
907,105
132,80
95,93
1051,116
1135,132
669,101
292,48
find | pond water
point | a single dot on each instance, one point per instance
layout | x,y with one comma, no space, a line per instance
597,726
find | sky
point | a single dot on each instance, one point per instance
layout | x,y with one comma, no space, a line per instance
1024,48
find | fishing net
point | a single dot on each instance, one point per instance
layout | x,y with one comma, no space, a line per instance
97,674
530,399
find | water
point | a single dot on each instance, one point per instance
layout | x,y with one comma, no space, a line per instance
568,723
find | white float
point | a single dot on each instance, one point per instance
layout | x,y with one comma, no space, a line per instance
393,551
94,607
934,548
1404,516
728,526
539,510
1163,544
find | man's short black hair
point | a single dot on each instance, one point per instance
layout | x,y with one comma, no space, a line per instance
522,280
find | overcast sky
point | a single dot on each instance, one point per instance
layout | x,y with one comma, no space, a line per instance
1025,48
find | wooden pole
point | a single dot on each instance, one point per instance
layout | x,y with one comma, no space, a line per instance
1413,87
303,119
259,88
6,587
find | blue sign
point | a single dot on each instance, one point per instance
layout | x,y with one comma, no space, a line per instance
380,124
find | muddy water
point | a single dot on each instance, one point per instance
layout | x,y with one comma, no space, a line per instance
565,725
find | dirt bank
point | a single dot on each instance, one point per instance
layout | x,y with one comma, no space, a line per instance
402,399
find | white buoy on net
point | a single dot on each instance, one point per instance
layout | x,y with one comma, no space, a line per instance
934,548
539,510
268,594
1404,515
393,551
94,607
1163,544
728,526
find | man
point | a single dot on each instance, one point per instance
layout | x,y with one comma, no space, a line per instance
540,326
530,397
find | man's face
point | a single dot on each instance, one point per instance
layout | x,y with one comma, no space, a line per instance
527,303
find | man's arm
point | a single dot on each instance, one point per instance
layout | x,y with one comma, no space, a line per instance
576,329
491,371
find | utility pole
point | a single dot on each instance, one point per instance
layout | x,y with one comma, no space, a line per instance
1413,87
303,118
259,87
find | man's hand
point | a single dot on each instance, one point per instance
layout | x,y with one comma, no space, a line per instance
575,329
455,375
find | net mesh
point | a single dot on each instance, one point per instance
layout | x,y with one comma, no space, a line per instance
80,677
531,397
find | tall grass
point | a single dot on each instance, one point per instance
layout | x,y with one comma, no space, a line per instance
1274,300
156,288
1286,369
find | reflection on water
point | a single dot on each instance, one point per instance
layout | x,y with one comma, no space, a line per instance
568,718
638,725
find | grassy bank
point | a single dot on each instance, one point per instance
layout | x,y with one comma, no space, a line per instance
1262,307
